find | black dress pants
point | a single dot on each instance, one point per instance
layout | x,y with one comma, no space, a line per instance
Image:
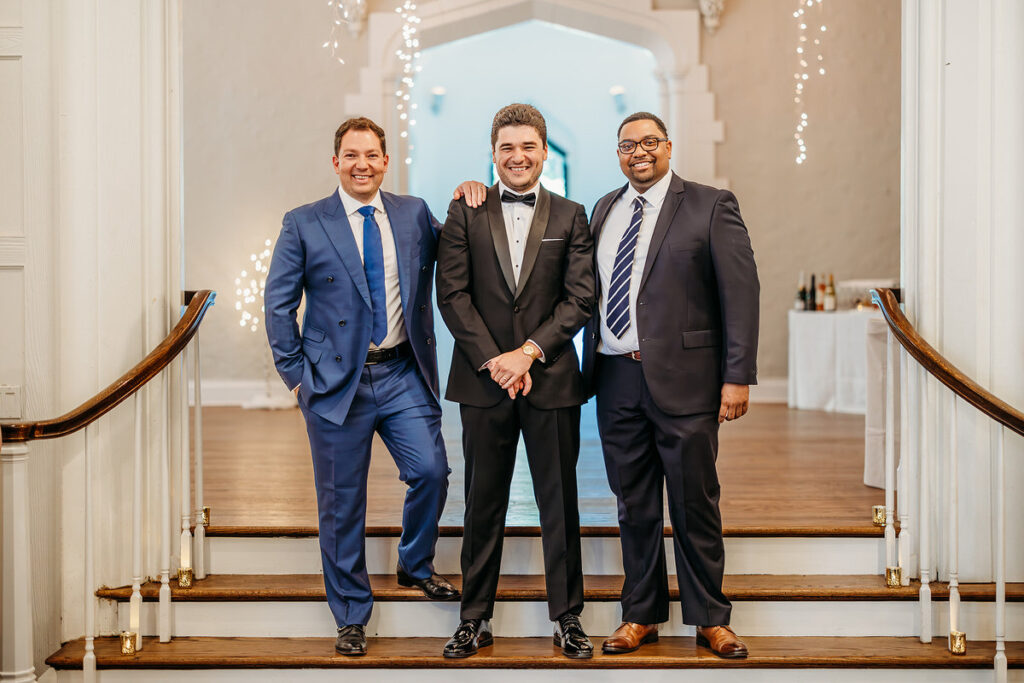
489,439
647,451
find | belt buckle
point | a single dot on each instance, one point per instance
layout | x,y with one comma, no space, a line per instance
635,355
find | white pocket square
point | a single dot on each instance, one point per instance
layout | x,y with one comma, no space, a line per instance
553,239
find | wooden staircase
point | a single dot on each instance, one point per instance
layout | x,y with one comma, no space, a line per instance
809,604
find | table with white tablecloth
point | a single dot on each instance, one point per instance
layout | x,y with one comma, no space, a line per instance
837,364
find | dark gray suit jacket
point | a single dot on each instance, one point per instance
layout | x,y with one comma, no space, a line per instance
488,314
697,310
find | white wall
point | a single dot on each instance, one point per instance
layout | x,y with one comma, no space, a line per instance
261,107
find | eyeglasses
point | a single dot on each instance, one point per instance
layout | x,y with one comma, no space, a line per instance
649,144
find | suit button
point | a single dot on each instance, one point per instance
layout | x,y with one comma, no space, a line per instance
423,269
515,309
429,341
640,303
593,335
341,323
423,307
337,359
330,278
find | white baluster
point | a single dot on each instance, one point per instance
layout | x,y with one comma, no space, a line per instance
1000,559
920,388
954,530
197,436
135,604
89,661
185,563
891,569
16,655
905,475
164,609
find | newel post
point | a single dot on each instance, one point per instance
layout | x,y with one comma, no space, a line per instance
16,655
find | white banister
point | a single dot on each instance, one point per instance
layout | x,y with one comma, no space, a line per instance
89,661
135,603
185,562
164,609
201,515
16,655
919,390
956,637
999,662
892,578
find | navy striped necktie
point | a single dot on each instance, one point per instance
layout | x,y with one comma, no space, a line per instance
617,310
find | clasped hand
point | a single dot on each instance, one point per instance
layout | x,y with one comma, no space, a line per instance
511,371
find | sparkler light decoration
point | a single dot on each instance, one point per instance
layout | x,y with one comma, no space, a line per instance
811,37
249,289
408,54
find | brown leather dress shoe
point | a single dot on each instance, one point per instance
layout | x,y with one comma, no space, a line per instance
721,640
629,637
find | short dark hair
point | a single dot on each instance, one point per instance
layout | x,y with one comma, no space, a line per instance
643,116
359,123
517,114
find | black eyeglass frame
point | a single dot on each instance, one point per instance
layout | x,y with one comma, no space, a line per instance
633,144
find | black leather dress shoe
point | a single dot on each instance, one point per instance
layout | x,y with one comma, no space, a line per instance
436,587
351,640
570,637
470,636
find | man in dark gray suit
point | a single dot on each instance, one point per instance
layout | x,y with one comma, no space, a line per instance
669,353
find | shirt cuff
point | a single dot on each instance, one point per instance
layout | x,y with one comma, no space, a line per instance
541,357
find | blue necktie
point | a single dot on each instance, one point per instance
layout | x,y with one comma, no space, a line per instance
373,264
617,309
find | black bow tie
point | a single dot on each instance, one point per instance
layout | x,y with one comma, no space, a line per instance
528,199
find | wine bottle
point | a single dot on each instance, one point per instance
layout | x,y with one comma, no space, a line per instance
811,294
819,299
800,302
830,294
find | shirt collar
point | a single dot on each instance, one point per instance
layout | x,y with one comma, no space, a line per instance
535,189
353,205
655,194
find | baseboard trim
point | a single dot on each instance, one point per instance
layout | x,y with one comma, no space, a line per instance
770,390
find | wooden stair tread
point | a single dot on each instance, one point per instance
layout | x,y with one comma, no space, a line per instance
866,530
532,653
301,587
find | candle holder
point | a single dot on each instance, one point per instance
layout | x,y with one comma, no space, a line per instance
127,643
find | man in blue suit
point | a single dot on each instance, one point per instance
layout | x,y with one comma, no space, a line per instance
365,362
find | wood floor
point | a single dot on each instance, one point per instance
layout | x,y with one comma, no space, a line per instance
780,470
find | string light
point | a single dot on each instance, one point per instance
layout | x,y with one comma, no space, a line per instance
408,54
249,289
348,13
806,67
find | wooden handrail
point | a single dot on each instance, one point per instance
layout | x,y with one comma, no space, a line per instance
126,385
941,369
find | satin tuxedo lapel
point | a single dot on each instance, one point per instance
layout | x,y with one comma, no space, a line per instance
405,248
673,198
499,236
537,229
339,232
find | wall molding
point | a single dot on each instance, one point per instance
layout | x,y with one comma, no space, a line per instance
12,252
11,39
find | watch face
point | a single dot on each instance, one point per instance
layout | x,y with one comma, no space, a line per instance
529,350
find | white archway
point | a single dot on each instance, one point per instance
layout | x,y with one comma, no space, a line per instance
673,36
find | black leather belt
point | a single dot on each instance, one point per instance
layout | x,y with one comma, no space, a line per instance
374,356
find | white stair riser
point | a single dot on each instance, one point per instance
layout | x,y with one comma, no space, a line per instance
447,675
524,619
787,555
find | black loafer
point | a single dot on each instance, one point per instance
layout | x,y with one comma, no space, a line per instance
570,637
470,636
436,587
351,640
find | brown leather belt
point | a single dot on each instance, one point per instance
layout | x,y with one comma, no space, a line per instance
374,356
635,355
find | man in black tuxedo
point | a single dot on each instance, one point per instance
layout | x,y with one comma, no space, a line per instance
670,353
515,282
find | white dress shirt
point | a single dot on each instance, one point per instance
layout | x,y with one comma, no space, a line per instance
615,226
396,320
518,220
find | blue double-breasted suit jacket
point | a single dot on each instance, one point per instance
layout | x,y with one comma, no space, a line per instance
316,253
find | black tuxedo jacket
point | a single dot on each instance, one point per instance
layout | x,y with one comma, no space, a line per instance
488,313
697,309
